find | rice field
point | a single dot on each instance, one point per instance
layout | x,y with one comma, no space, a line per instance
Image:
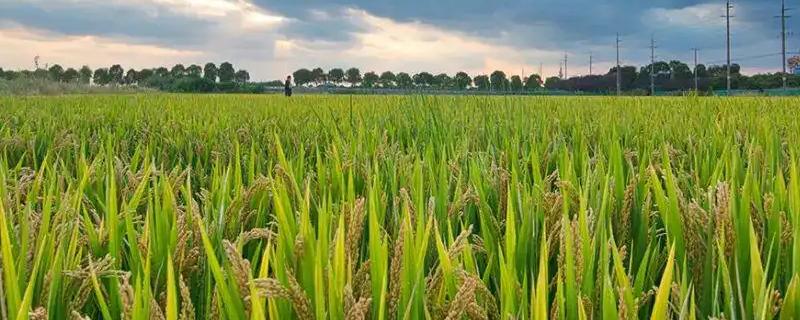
399,207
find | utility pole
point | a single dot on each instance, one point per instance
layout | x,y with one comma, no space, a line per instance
619,70
727,17
696,87
590,63
566,74
783,18
652,65
540,70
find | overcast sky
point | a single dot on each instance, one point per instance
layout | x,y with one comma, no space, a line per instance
271,38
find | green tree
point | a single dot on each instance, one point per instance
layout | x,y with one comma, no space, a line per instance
55,72
178,71
680,70
336,75
388,79
115,74
131,77
302,77
143,75
226,72
461,80
701,71
242,76
370,79
85,75
423,79
442,81
318,76
533,82
482,82
404,80
516,83
499,81
210,72
70,75
552,83
353,76
100,77
194,71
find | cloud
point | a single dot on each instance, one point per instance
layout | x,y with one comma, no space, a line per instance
75,51
273,37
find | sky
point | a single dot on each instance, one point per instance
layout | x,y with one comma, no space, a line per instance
272,38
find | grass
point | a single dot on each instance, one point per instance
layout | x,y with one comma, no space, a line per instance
331,207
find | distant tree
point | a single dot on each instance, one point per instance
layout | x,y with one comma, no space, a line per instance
194,71
353,76
242,76
40,74
210,72
100,77
302,77
793,62
55,72
370,79
442,80
70,75
161,72
388,79
404,80
461,81
85,75
628,76
130,77
143,75
736,69
533,82
552,83
701,70
193,84
318,76
115,74
336,75
717,71
423,79
516,83
178,71
499,81
226,72
680,70
482,82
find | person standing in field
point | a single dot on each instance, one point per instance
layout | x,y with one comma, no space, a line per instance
287,87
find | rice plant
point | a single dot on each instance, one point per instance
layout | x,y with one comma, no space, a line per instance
398,207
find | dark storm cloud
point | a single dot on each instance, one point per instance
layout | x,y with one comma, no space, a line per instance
571,25
577,26
151,24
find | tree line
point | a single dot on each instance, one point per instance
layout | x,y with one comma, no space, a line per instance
179,78
672,76
352,77
668,76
